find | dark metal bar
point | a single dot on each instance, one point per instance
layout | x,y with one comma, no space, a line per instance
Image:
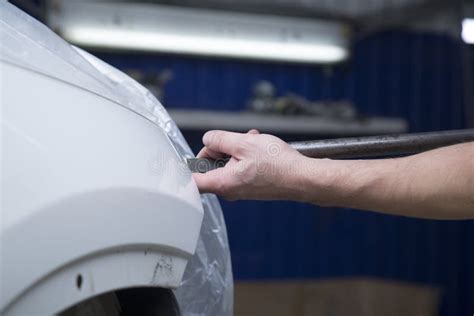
387,145
362,147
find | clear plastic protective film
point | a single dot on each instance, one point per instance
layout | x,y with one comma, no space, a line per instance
207,286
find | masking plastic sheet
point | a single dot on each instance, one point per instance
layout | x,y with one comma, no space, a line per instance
207,286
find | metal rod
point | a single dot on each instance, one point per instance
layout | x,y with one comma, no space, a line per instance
387,145
361,147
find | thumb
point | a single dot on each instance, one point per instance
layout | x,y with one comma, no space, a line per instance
207,182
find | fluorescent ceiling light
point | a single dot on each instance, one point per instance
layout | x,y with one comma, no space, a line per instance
468,31
202,45
201,32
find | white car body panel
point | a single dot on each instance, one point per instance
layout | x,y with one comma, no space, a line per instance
90,189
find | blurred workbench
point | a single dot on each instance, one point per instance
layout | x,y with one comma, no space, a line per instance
202,120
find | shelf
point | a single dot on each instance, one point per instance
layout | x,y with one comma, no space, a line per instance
272,123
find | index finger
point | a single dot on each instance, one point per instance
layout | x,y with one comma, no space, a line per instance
223,142
206,152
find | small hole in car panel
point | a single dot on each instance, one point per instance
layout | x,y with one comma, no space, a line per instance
79,281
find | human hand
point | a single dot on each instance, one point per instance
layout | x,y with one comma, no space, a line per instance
261,167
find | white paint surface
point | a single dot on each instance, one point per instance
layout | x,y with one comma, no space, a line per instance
83,179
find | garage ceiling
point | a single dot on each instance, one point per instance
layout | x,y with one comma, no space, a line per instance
349,8
365,16
343,9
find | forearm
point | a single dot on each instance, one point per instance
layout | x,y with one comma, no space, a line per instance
434,184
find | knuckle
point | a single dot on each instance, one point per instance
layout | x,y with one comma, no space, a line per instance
243,146
218,143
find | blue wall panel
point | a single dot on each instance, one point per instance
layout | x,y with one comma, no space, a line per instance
416,76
